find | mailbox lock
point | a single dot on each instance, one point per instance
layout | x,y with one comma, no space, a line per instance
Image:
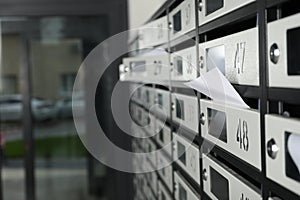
173,106
176,186
201,63
274,53
272,148
204,174
170,25
126,69
200,6
202,119
174,147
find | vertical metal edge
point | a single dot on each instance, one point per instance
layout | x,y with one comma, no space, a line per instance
262,25
170,88
199,97
26,91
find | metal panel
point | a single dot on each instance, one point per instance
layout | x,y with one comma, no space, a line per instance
153,33
278,153
153,181
237,187
184,65
242,130
133,69
187,156
151,155
165,173
163,102
185,111
158,68
148,96
163,194
183,190
163,136
182,19
206,15
278,53
235,55
152,67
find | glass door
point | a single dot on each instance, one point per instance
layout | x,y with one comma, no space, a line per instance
55,48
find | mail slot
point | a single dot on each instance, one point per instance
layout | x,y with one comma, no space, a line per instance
233,129
153,33
183,190
137,114
210,10
284,46
184,65
186,155
136,93
151,154
163,193
283,154
133,69
166,172
148,96
149,123
236,56
182,19
163,102
220,182
185,111
163,136
152,66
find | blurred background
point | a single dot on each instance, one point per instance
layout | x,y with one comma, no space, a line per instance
43,43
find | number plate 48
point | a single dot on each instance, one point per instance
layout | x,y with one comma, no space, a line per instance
240,133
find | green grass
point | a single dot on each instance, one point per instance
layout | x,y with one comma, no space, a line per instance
66,146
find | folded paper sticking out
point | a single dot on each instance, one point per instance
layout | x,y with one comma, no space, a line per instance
294,148
215,85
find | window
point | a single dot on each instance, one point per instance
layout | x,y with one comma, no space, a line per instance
67,82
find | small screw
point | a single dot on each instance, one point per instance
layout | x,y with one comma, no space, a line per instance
200,6
201,62
202,118
173,106
205,175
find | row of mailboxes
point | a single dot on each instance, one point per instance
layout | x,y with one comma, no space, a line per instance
235,55
234,130
183,108
182,20
237,131
219,182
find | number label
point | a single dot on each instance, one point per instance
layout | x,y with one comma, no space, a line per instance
190,65
244,197
239,58
242,135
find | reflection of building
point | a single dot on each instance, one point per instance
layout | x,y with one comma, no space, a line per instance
9,70
53,63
